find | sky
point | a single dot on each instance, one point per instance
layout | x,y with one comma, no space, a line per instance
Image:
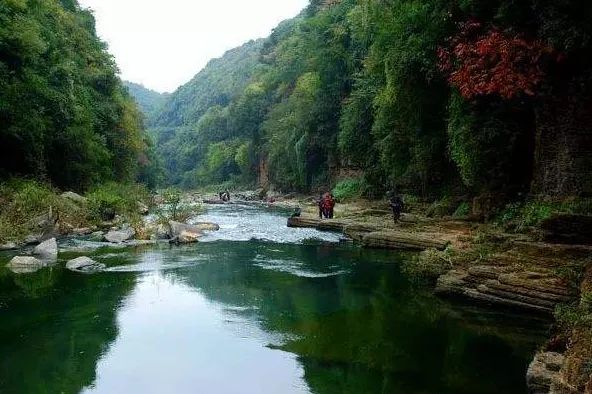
164,43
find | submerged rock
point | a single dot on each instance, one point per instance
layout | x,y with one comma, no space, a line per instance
25,264
119,236
204,226
47,250
84,265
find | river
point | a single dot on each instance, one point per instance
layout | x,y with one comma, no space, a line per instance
255,308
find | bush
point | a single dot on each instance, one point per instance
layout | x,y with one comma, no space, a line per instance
23,200
521,215
464,209
348,189
429,264
111,199
173,207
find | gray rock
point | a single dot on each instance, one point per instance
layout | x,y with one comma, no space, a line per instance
96,236
204,226
142,208
184,233
543,372
32,239
47,250
84,265
82,231
119,236
77,198
8,246
25,264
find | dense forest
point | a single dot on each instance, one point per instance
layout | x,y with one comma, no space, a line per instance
437,97
65,117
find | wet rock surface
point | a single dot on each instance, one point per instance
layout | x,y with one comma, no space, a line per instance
512,279
119,236
47,250
84,265
373,236
26,264
184,233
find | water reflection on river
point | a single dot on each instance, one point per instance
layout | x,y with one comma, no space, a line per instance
296,313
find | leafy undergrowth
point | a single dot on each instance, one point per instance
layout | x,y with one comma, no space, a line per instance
25,203
520,216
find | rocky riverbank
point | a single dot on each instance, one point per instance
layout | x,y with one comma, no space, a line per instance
535,273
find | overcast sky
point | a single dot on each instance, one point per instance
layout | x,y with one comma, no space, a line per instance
164,43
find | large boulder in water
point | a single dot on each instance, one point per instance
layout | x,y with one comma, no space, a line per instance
25,264
119,236
84,265
184,233
47,250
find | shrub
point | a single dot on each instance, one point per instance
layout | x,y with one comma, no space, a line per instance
429,264
463,209
348,189
111,199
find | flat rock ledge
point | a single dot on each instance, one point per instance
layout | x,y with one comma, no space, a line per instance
508,279
402,240
373,236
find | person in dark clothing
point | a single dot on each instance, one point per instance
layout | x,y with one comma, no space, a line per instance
397,205
330,205
320,205
297,212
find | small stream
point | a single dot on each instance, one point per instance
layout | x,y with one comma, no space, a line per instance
255,308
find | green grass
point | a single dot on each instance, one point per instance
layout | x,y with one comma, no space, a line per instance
522,215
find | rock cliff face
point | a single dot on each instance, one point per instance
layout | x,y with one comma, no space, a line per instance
524,277
563,156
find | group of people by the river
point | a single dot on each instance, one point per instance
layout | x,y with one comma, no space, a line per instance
326,204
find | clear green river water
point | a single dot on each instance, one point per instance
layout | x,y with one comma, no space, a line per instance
255,308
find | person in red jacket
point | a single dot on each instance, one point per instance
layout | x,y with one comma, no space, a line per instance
327,205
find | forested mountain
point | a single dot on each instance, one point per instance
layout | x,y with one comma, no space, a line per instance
65,116
436,96
194,116
148,100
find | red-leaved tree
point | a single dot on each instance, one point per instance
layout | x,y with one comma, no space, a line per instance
492,62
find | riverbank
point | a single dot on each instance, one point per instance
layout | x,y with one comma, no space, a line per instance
482,263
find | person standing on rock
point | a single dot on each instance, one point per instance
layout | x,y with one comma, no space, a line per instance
320,205
397,205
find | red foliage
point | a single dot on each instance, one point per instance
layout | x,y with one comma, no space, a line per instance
493,62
